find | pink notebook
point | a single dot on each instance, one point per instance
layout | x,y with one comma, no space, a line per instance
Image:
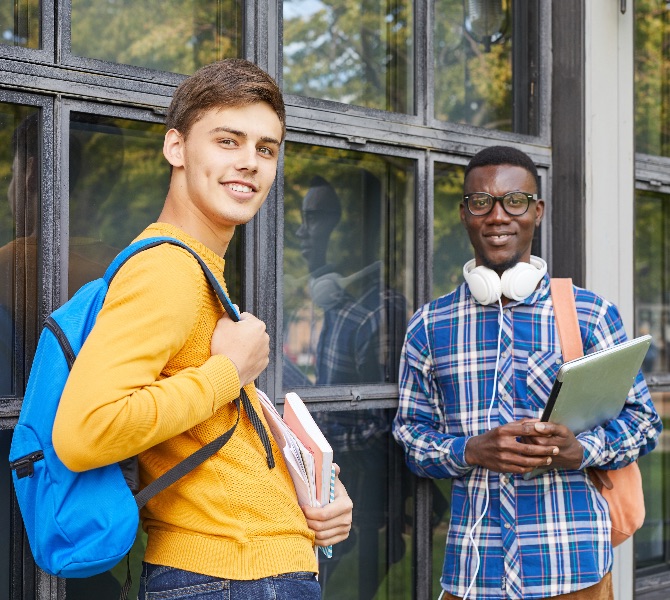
297,417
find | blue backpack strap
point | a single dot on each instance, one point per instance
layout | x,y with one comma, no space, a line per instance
146,243
197,458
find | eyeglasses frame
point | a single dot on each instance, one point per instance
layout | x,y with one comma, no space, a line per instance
530,197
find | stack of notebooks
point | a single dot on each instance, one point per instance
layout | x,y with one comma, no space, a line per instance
307,453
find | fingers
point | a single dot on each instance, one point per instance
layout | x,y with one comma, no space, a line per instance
246,343
331,523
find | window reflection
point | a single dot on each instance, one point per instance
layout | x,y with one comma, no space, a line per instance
356,53
118,180
5,512
166,35
451,247
375,561
652,67
485,74
652,315
20,23
20,166
347,285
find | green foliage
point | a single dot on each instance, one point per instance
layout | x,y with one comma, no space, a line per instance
652,77
20,23
352,51
166,35
451,247
122,180
473,82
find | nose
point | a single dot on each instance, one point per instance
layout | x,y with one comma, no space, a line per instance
247,159
498,213
300,232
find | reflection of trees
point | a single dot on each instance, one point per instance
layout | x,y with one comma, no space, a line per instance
123,178
451,245
651,246
473,84
354,51
20,23
652,77
166,35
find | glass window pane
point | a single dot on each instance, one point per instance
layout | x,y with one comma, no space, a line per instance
355,52
451,246
20,23
347,265
20,168
375,561
652,81
652,315
5,512
166,35
486,73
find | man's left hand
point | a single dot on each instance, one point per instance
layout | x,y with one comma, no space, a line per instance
331,523
570,451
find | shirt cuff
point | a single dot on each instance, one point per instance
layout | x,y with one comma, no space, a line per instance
224,378
592,447
458,452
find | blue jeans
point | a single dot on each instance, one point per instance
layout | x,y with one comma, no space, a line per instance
165,583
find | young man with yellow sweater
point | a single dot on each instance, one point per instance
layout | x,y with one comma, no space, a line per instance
158,375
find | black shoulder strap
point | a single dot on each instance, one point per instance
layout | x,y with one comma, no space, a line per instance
200,456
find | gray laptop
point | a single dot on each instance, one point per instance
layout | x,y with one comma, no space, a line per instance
592,389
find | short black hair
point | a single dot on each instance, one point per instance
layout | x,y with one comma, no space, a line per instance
503,155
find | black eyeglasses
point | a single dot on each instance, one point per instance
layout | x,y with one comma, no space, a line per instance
515,204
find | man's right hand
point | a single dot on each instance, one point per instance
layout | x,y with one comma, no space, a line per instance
245,343
501,450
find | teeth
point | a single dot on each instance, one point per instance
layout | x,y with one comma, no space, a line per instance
238,187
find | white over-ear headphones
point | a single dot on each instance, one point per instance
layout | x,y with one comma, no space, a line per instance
516,283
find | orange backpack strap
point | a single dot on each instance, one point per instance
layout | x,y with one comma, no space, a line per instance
565,313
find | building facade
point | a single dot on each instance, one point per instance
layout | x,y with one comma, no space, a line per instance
386,102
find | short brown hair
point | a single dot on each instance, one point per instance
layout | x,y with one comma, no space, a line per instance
226,83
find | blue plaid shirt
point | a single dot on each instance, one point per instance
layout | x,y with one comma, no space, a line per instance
539,538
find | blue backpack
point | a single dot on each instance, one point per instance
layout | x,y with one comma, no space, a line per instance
82,524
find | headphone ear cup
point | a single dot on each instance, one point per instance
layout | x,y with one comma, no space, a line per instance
326,290
484,283
520,281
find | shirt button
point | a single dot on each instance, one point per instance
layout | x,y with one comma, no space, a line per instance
507,526
558,361
504,479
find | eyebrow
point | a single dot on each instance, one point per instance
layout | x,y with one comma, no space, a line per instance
243,134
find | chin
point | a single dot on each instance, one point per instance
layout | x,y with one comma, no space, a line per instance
502,264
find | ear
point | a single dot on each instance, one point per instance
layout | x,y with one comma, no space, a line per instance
173,148
539,212
462,213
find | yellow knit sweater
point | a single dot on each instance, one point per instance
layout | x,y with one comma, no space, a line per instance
145,383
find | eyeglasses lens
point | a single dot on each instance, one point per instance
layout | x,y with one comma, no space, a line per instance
514,203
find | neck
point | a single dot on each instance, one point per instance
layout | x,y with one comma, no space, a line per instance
184,216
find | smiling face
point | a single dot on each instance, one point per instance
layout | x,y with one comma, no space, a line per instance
222,171
499,240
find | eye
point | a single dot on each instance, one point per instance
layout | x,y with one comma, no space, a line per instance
227,142
266,151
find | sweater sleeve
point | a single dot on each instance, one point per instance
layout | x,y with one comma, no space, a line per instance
118,400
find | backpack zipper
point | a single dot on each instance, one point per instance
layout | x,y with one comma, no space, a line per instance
24,466
54,328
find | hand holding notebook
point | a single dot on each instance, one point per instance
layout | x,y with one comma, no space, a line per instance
307,453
